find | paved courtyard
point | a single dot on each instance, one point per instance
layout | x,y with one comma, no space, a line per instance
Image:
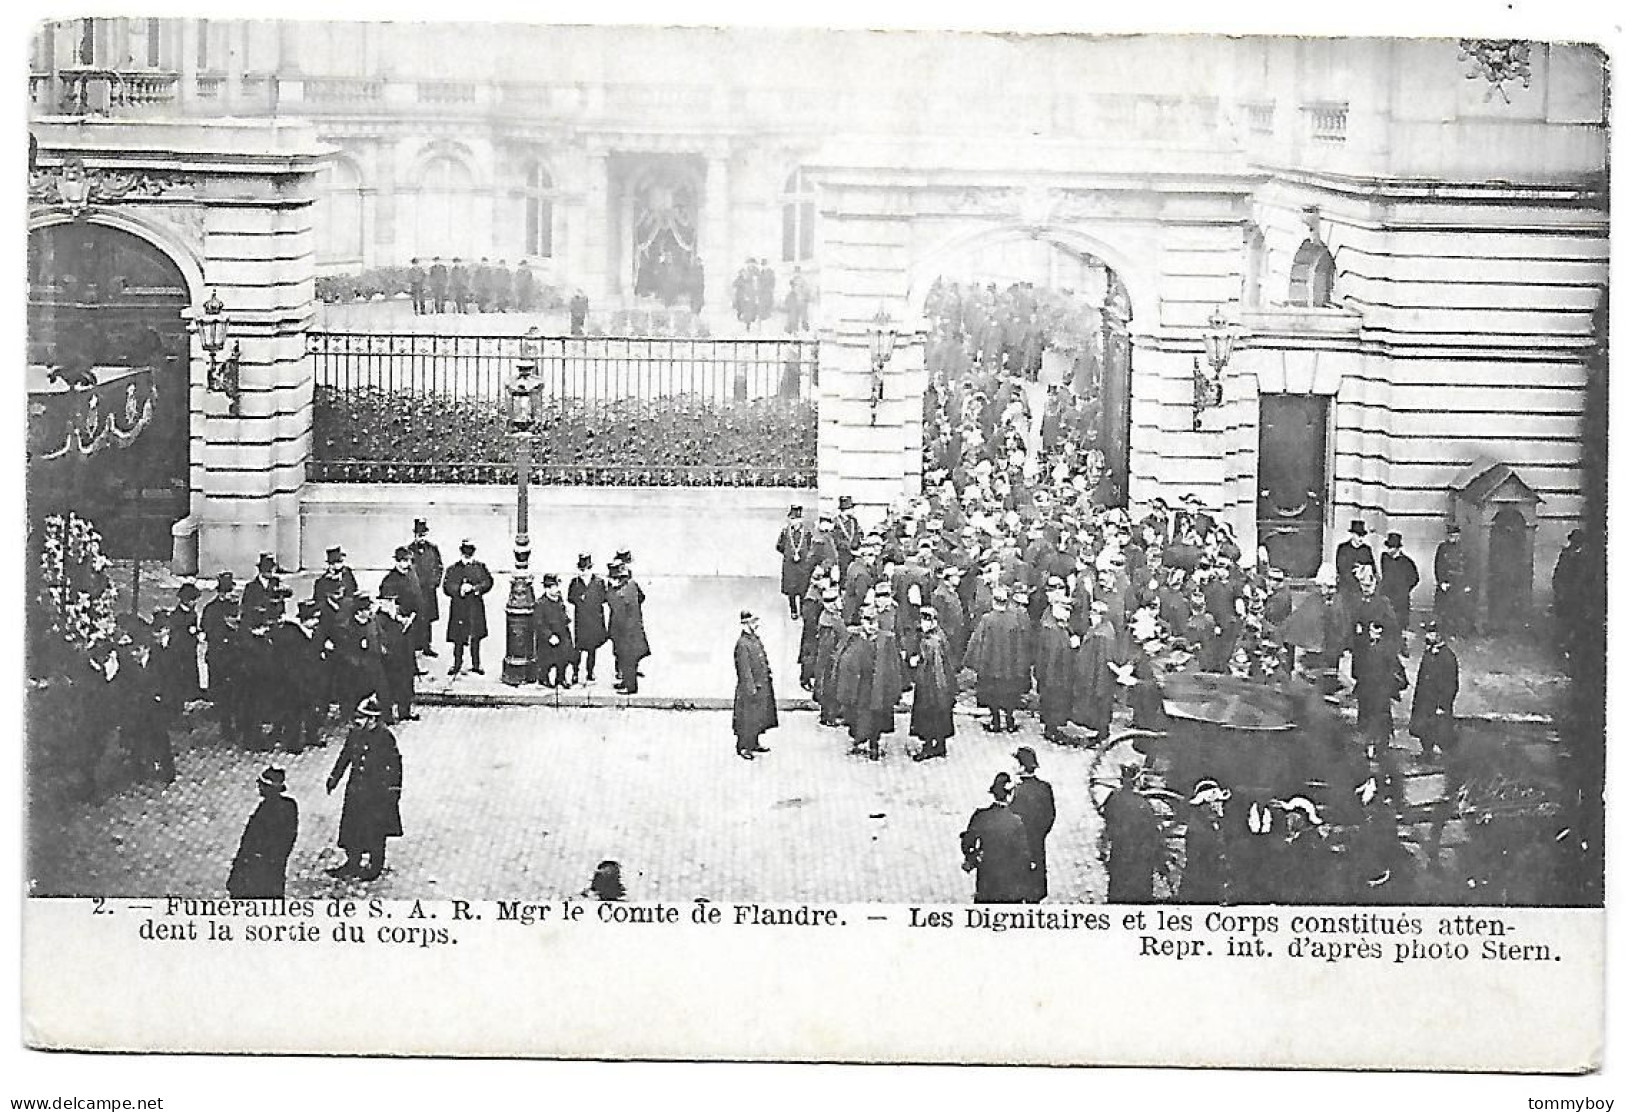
524,801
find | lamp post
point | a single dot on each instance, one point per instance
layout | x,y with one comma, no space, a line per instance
521,655
224,377
1218,343
882,342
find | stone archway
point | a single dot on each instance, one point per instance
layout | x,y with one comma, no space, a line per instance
106,303
1069,301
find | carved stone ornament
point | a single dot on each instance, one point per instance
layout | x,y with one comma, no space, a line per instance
76,187
1497,61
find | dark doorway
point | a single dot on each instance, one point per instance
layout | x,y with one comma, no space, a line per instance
1292,480
1507,584
104,302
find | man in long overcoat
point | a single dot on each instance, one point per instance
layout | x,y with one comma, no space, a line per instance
259,871
1033,801
334,591
1399,578
931,717
184,630
628,641
795,566
1056,669
869,682
588,598
296,650
756,708
1096,688
555,648
399,662
402,584
466,584
996,848
998,654
847,533
832,635
372,797
358,658
1133,838
1451,605
1378,679
1433,704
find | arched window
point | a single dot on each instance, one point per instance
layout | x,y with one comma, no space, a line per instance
446,203
538,212
338,213
798,219
1313,274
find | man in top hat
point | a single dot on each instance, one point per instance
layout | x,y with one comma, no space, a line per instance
401,584
185,628
1433,703
219,623
429,568
847,533
358,655
334,592
372,797
795,566
588,597
1033,801
302,680
1451,598
466,584
555,648
260,869
755,708
263,595
629,643
997,849
1352,553
400,670
1399,579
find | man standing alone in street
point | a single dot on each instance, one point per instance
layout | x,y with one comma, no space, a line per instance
259,871
756,708
372,797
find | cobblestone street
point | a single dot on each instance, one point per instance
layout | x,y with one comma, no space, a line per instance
524,801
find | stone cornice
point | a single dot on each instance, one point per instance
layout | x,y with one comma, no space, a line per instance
1490,192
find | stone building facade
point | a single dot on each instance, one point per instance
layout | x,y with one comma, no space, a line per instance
1407,238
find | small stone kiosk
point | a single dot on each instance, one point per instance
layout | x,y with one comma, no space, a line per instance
1497,512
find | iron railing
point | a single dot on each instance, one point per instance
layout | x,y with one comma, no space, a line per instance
610,411
591,370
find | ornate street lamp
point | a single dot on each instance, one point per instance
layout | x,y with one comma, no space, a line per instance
224,374
1218,343
522,402
882,342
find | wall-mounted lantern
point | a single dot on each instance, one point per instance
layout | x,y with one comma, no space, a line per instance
882,342
1218,343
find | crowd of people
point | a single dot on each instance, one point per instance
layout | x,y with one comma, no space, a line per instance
1010,578
755,297
482,287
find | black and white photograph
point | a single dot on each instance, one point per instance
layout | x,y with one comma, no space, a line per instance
808,468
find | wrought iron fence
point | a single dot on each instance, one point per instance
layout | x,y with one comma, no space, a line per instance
615,411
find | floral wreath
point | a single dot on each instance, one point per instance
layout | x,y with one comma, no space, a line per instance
78,597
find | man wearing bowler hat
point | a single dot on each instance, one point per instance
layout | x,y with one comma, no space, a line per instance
756,708
1399,579
426,562
184,630
996,848
401,583
259,871
555,648
467,583
588,598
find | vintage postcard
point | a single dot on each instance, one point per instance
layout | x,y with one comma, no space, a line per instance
815,544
